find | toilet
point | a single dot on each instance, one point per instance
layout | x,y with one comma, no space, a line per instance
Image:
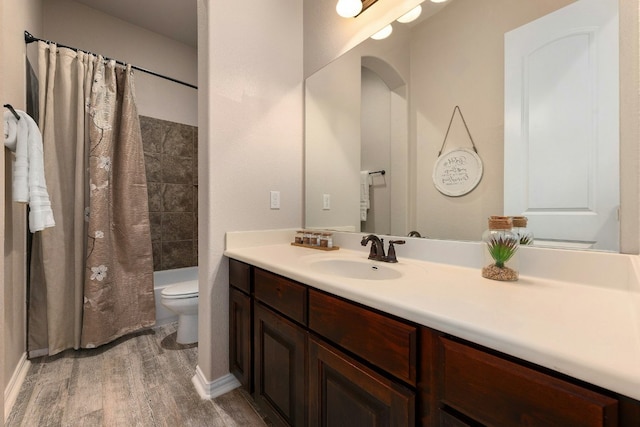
182,299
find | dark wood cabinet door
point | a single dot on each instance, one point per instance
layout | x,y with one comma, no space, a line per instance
345,393
240,337
279,367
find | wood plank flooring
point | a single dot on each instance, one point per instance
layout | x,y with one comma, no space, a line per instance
143,379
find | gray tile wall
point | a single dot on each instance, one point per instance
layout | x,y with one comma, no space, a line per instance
171,154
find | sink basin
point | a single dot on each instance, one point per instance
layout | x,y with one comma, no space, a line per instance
355,269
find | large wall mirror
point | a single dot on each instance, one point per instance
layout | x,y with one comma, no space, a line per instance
386,105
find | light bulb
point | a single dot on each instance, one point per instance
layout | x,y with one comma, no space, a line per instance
348,8
438,1
410,16
383,33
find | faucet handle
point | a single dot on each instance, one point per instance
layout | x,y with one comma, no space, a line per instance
391,254
377,251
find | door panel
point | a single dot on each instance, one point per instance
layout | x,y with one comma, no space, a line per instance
562,124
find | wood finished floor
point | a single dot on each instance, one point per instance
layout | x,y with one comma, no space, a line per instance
140,380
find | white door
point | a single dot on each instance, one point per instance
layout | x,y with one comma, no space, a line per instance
561,124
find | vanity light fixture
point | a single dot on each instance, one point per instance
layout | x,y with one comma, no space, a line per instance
352,8
410,16
438,1
383,33
348,8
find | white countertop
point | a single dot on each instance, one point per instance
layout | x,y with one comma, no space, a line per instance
588,332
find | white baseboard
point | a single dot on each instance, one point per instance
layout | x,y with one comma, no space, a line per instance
15,383
215,388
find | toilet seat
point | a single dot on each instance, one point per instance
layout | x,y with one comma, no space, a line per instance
181,291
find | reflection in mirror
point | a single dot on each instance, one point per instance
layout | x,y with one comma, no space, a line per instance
386,105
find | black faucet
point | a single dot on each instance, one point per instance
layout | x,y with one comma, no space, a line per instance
377,247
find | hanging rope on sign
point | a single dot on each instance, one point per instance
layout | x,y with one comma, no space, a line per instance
449,128
458,171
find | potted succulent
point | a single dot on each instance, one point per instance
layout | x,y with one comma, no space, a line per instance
501,245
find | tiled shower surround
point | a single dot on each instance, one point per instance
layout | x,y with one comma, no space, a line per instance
170,154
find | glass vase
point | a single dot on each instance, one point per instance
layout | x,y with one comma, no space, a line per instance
500,250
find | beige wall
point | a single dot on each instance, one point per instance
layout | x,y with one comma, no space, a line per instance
250,136
16,16
77,25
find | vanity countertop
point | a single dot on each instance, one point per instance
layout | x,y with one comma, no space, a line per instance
588,332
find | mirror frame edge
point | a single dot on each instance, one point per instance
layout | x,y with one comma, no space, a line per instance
629,216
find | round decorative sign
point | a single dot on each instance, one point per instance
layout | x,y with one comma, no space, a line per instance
457,172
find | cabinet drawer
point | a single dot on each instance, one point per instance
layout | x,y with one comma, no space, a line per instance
240,275
281,294
384,342
498,392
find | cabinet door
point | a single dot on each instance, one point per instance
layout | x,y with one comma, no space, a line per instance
279,366
345,393
240,337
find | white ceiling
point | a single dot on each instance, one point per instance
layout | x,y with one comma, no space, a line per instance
176,19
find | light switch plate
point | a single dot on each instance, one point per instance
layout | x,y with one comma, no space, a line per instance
326,202
275,199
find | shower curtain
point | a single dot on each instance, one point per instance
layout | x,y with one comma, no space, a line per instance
91,274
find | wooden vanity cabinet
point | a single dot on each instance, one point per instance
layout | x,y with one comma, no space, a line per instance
240,323
313,359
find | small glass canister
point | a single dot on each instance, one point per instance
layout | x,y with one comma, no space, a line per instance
520,228
326,240
299,238
306,238
313,238
500,250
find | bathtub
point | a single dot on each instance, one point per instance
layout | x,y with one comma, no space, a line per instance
164,278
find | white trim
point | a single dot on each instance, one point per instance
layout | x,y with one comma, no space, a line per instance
15,384
215,388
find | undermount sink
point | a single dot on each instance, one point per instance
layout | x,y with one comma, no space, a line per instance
355,269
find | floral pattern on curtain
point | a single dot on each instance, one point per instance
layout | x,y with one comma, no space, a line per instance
118,285
92,274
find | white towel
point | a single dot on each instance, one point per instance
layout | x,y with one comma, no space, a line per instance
18,145
29,185
365,182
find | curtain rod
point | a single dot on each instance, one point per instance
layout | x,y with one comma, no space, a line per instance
28,38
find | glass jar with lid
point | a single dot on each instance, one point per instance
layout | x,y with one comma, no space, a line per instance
520,228
326,240
500,250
